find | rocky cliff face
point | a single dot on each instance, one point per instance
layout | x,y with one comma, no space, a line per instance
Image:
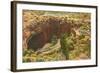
42,28
44,37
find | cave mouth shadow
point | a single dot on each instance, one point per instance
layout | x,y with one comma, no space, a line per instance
37,41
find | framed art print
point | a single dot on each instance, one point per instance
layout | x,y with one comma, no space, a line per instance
47,36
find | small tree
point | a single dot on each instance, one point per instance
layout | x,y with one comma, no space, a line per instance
54,40
64,45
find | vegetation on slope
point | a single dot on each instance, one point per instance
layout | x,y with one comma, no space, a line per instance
73,46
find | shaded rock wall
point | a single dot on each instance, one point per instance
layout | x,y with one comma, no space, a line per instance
42,28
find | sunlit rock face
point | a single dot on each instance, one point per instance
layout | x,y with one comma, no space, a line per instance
42,28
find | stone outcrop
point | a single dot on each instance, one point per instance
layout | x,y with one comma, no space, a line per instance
42,28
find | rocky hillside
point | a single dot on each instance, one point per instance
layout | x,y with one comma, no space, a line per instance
54,36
